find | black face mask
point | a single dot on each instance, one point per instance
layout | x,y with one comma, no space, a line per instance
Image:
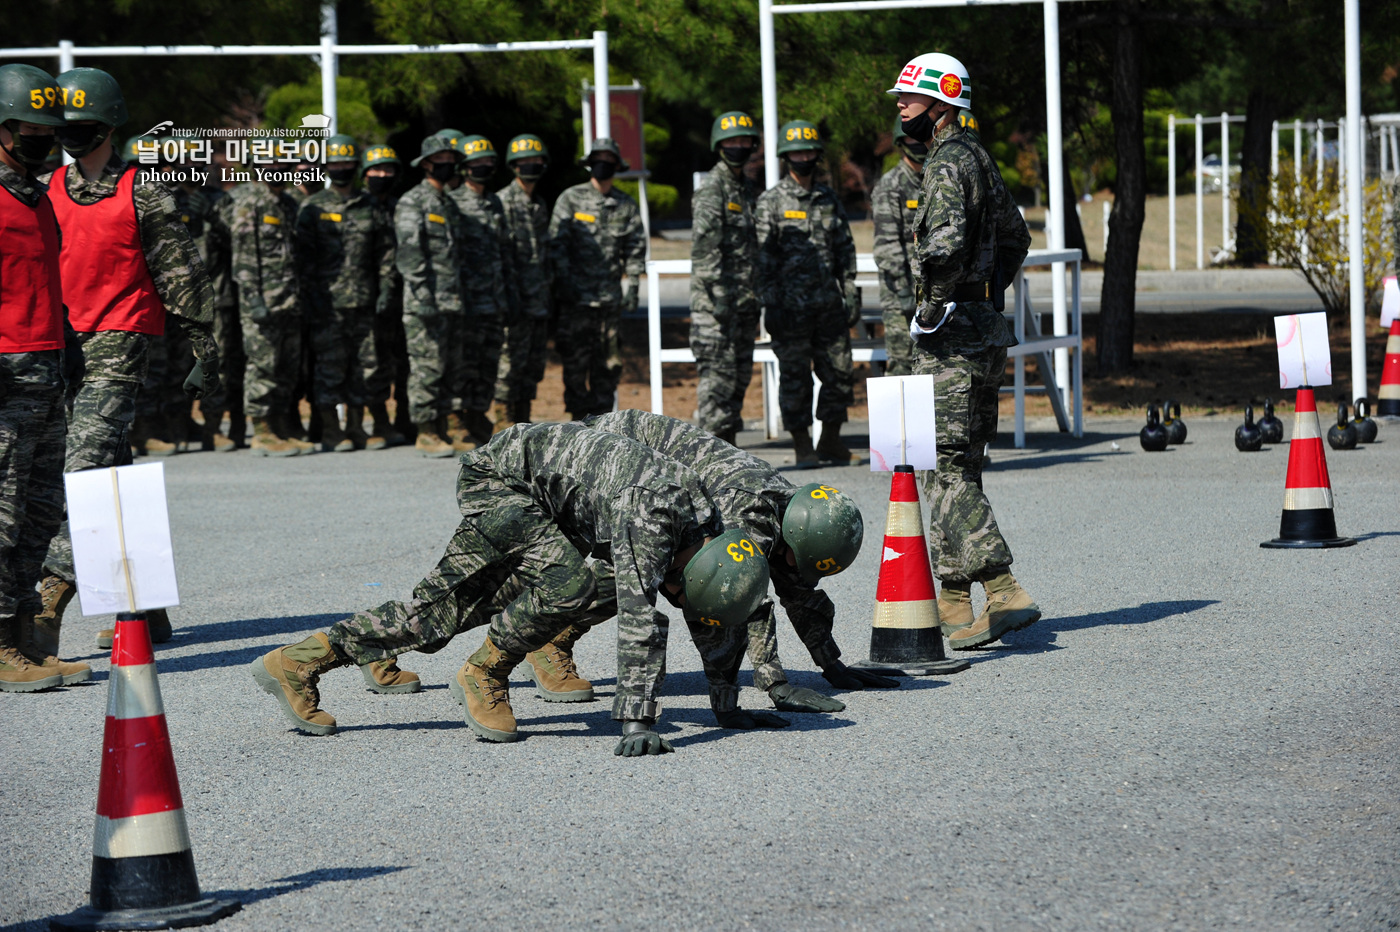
529,173
915,150
379,184
481,171
803,169
735,155
602,170
441,171
919,128
80,139
341,176
31,151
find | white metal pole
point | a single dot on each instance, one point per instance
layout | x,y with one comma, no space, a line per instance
1319,139
658,402
1055,229
65,63
602,115
1273,182
329,37
1200,196
769,79
1171,191
1225,182
1381,138
587,119
1297,150
1356,244
1107,209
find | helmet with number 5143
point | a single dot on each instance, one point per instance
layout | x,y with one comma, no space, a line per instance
824,529
725,581
935,75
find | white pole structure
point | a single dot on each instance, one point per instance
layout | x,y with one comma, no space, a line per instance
1355,243
329,36
1055,229
1107,209
769,64
65,63
1273,183
602,114
1171,191
1318,137
1225,182
1200,196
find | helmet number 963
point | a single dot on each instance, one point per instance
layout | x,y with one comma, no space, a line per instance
742,544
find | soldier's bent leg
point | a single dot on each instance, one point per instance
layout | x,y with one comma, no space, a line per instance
899,346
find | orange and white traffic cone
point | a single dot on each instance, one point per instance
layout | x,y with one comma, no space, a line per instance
143,873
905,639
1389,404
1308,520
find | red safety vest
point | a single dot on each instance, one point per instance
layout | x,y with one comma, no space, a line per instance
31,292
105,277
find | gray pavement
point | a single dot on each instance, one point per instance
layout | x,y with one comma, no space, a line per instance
1199,734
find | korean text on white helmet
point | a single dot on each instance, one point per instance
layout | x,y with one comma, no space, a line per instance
935,75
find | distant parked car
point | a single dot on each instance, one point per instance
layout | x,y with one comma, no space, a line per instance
1210,171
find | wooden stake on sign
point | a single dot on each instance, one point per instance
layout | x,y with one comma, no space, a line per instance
1302,352
121,542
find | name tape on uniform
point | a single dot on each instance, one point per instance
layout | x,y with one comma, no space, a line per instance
434,218
585,218
735,207
334,217
912,204
275,221
794,215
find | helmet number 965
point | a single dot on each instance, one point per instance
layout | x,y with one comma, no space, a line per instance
742,544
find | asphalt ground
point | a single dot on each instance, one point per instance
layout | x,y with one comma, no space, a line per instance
1198,734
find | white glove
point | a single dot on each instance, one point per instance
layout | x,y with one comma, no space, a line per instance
916,331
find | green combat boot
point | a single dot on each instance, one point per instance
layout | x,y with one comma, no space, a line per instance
552,668
291,673
803,454
384,676
333,439
382,433
830,449
482,687
25,631
955,607
1009,608
18,673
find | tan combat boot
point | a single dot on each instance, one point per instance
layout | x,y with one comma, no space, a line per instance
266,441
482,687
805,457
429,443
289,428
291,673
552,668
384,676
211,437
1009,608
145,442
456,428
355,427
29,646
18,673
55,593
955,607
501,417
830,449
382,433
333,439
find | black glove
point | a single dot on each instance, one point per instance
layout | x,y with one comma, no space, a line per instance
844,677
789,698
638,740
743,720
203,379
74,363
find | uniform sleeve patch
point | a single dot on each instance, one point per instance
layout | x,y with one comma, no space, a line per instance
435,218
794,215
912,204
274,220
585,218
332,217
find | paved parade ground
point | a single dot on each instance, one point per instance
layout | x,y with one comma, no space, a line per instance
1198,734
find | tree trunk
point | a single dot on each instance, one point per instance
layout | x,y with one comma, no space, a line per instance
1255,159
1117,304
1074,230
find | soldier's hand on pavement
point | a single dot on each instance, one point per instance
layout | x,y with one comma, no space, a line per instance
844,677
638,740
203,379
744,720
789,698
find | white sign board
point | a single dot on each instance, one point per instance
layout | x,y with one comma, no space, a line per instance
121,539
901,409
1390,304
1304,356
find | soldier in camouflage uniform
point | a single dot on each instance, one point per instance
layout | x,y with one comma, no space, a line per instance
527,326
346,248
380,168
427,228
33,368
807,283
893,203
129,268
488,293
228,329
970,239
724,308
595,238
534,501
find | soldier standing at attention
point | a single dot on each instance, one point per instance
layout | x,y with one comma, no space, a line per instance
894,202
228,330
488,294
346,250
527,326
724,308
595,239
34,365
380,168
969,239
128,267
427,226
807,283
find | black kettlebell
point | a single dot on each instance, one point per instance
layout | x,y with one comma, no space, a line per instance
1341,436
1366,429
1154,436
1176,427
1248,436
1270,426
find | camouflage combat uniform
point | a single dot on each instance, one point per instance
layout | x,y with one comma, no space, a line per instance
427,225
535,502
257,226
102,406
723,301
527,326
390,352
346,248
228,330
966,221
893,203
488,292
807,283
594,239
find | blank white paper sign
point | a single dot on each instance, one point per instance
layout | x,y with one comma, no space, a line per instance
1303,337
921,437
1390,303
97,553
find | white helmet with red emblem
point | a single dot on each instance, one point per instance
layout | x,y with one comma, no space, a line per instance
936,75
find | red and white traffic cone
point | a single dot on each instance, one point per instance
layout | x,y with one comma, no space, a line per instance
143,873
1389,404
904,638
1307,520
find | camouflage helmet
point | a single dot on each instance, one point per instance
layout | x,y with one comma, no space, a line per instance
725,581
379,155
92,94
432,145
131,154
969,122
525,146
732,125
342,148
799,136
30,94
474,147
604,144
824,530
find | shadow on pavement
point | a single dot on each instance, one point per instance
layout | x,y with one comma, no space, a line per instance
299,882
1040,637
238,630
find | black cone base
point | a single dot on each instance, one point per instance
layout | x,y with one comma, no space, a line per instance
159,891
909,652
1388,408
1307,528
198,913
